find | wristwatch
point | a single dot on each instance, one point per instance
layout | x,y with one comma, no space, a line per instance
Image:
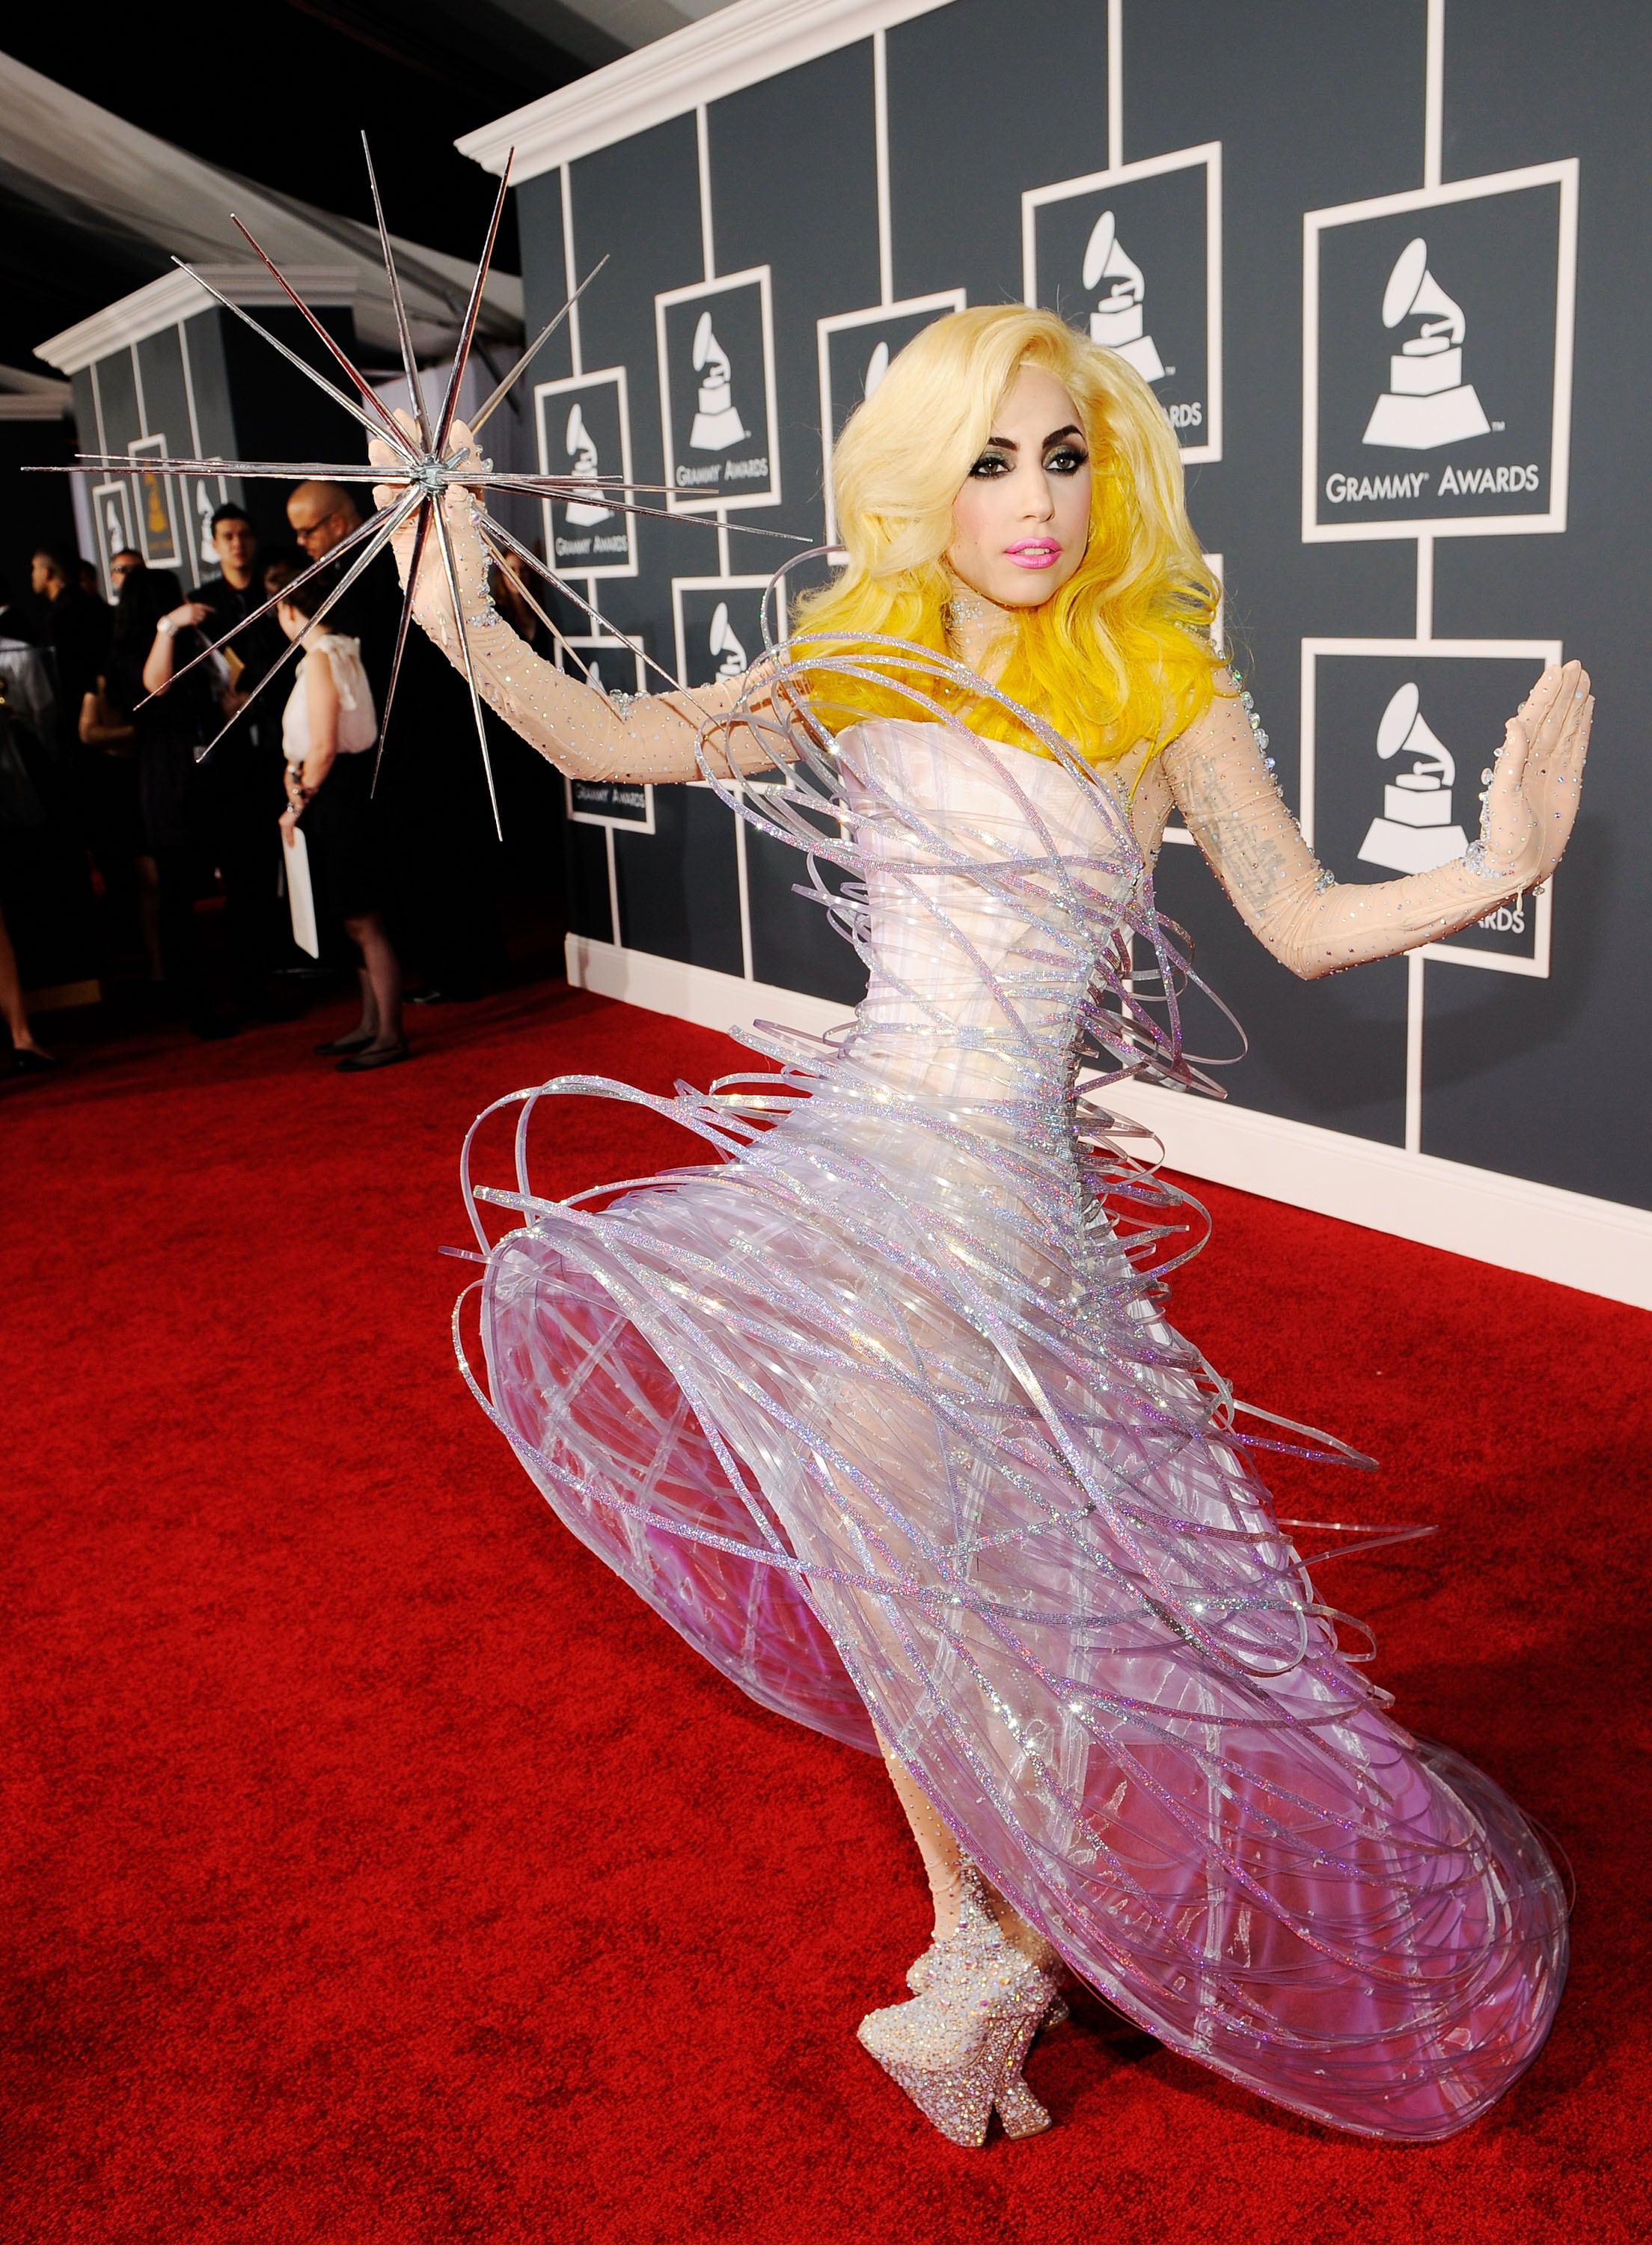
166,628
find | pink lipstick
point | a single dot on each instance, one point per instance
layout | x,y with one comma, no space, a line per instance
1034,553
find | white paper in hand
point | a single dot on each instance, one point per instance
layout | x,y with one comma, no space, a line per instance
300,896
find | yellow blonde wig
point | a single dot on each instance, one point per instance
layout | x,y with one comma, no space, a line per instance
1122,654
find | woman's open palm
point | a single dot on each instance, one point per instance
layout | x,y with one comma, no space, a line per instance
1532,798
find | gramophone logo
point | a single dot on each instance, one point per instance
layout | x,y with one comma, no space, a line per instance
717,413
582,424
588,506
718,626
1427,402
1417,831
1118,320
717,425
726,653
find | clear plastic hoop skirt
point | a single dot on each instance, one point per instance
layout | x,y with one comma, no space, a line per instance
881,1411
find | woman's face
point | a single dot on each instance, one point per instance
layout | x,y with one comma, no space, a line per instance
1021,519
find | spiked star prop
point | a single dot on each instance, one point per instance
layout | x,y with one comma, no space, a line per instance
425,464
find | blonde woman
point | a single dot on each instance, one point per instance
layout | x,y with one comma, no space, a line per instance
883,1414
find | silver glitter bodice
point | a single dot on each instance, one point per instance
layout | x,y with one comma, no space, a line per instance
994,881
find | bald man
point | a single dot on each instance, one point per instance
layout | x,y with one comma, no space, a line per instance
323,516
434,823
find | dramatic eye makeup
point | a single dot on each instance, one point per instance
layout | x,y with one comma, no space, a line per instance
1064,453
997,460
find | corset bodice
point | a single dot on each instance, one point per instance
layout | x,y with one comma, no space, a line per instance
994,880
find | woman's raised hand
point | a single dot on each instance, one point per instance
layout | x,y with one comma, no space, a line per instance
470,557
1532,798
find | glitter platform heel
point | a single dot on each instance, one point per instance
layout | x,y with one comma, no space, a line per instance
958,2048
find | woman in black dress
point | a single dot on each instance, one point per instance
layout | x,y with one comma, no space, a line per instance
328,729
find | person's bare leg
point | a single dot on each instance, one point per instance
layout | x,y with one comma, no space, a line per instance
383,972
367,1028
12,998
944,1865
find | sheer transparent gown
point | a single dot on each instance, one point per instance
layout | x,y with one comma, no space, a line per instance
881,1410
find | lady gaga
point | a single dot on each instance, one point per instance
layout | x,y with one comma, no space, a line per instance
881,1410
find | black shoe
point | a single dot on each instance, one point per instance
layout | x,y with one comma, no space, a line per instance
373,1056
357,1040
26,1061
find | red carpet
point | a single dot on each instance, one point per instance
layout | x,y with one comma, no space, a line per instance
379,1870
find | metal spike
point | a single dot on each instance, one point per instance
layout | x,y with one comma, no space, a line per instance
313,374
405,332
355,538
392,520
452,574
274,601
462,349
343,471
370,395
549,623
563,486
534,348
406,618
498,535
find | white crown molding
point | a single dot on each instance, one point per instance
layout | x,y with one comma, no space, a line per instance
1599,1246
738,46
176,296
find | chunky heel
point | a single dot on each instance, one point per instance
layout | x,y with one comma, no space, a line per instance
1019,2110
958,2049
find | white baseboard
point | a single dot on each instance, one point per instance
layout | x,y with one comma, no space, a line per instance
692,994
1602,1246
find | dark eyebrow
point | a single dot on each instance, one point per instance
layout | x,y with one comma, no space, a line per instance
1009,445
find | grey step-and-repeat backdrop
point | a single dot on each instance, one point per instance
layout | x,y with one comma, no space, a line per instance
202,387
1388,290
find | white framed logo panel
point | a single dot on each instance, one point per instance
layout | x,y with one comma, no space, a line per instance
1135,252
717,416
203,495
604,662
1437,359
112,513
583,426
718,624
854,351
160,533
1395,735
